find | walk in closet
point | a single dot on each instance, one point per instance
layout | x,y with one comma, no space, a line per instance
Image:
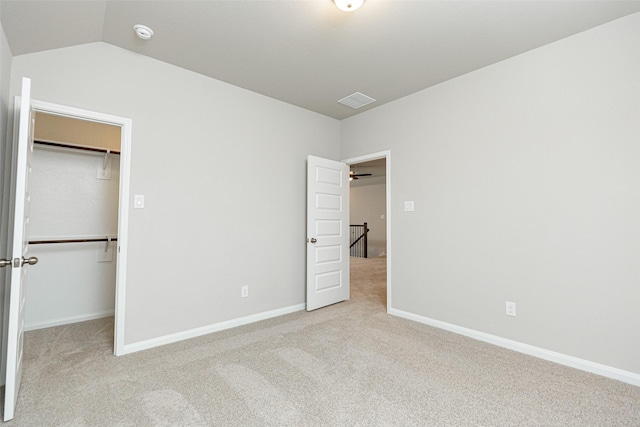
74,221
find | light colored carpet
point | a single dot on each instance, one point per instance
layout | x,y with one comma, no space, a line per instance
350,364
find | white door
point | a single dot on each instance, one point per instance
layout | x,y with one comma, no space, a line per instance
327,232
19,251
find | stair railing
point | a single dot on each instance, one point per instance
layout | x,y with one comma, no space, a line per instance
358,239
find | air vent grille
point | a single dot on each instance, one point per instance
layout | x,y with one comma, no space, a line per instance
356,100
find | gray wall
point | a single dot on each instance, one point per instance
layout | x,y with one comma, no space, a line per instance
366,204
526,184
222,170
5,160
5,76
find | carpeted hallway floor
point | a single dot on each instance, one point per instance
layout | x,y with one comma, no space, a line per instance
349,364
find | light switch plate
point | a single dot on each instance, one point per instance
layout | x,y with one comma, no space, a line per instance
138,201
409,206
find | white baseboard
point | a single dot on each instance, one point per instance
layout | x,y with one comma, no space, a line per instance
552,356
193,333
67,320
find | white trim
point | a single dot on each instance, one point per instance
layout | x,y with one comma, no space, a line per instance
123,210
123,236
552,356
204,330
66,320
367,158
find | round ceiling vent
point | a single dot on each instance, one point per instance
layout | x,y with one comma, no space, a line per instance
144,32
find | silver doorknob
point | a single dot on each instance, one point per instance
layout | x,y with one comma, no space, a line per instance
4,262
31,261
313,240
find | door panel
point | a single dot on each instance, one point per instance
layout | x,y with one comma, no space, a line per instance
327,232
20,250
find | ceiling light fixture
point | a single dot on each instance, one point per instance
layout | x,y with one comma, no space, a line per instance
348,5
144,32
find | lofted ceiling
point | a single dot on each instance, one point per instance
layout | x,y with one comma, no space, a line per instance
307,52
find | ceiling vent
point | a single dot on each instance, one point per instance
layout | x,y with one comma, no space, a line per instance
357,100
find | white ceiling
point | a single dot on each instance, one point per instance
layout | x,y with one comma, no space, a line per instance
307,52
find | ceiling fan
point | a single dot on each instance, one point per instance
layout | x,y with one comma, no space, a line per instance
353,175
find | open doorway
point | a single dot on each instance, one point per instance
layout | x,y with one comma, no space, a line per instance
73,224
369,219
108,256
19,216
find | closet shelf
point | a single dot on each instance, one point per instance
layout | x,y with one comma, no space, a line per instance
76,147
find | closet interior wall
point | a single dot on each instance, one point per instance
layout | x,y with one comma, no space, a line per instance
74,195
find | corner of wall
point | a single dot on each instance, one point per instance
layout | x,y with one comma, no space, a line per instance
6,59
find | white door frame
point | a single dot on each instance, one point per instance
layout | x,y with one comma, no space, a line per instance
367,158
123,209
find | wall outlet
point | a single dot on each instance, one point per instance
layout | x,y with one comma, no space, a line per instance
511,309
244,291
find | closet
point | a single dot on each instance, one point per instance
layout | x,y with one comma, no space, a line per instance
74,221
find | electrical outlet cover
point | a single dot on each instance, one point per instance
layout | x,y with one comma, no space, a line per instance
510,308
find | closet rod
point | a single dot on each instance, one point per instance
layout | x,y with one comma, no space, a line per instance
76,147
98,239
